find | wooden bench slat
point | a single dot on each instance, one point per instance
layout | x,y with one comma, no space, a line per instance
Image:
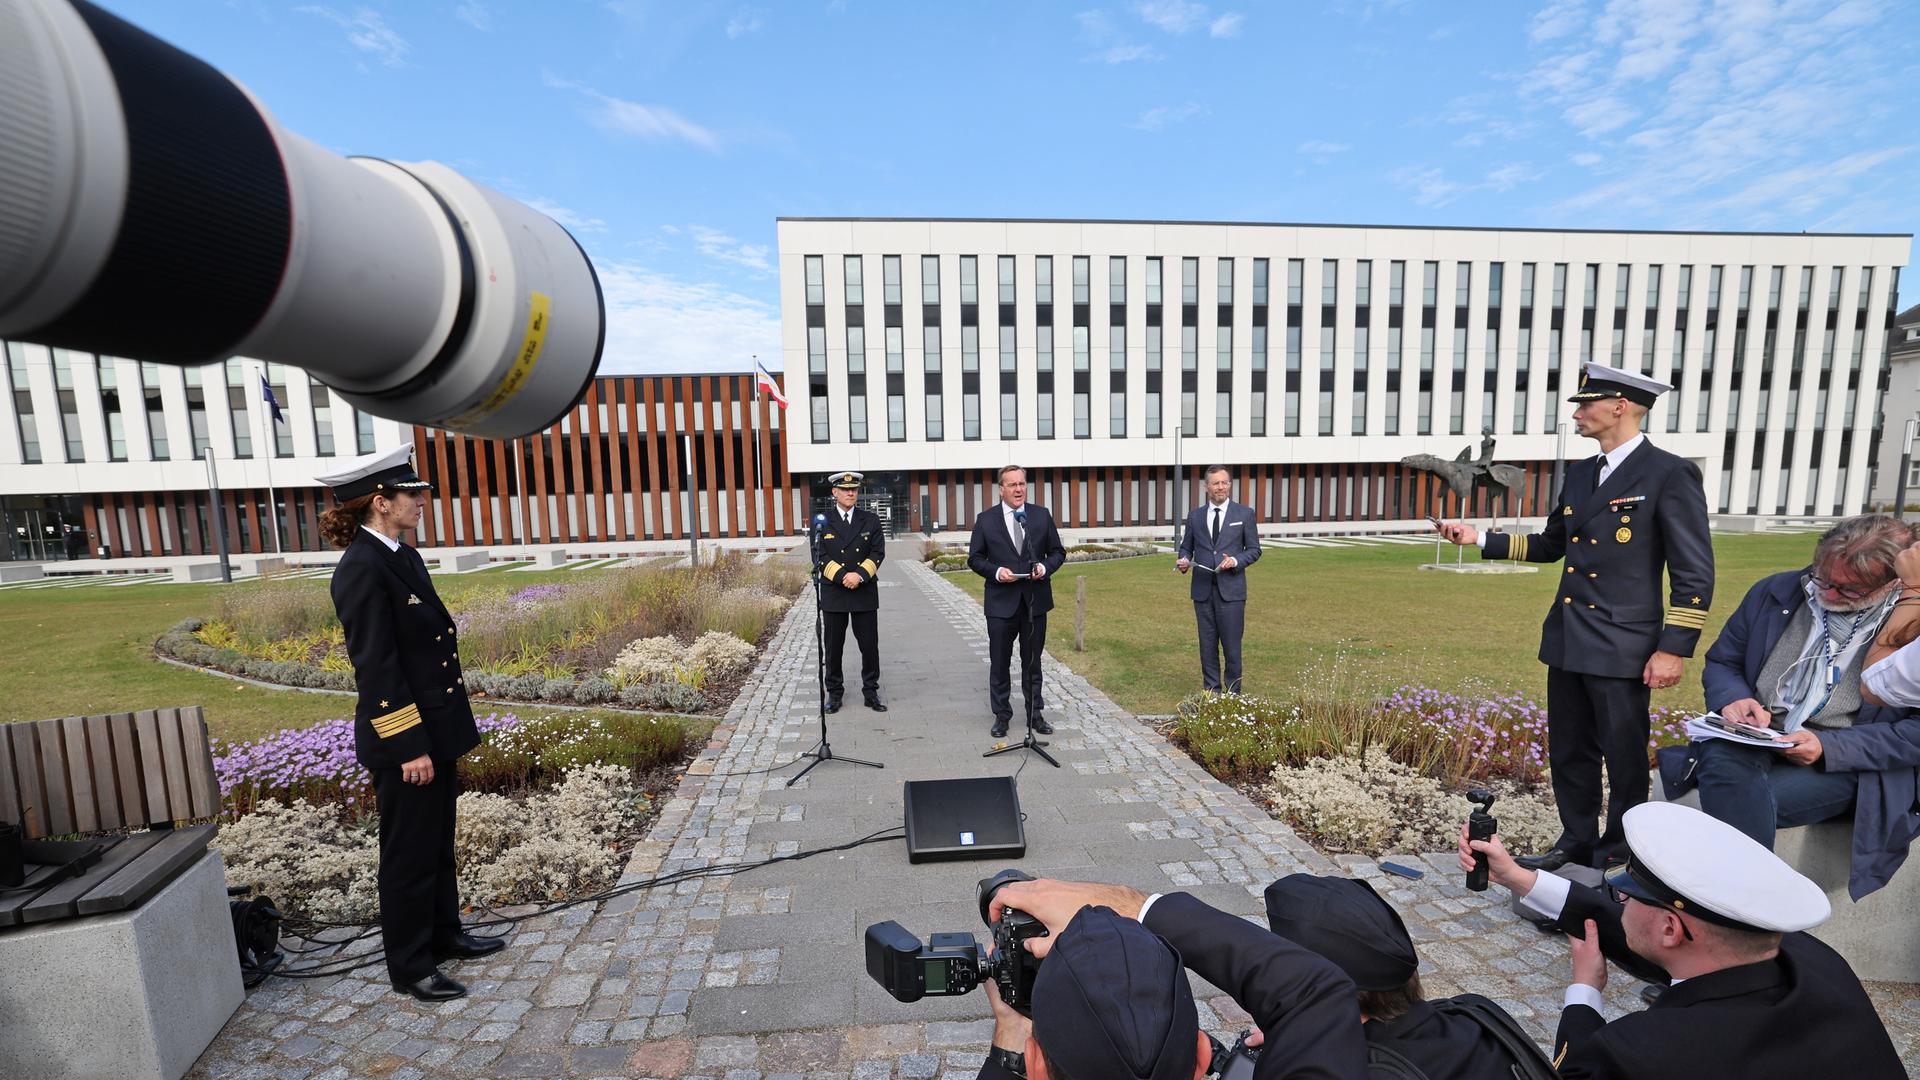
153,779
53,775
9,788
126,768
12,902
203,788
179,806
100,757
26,767
79,770
58,902
142,877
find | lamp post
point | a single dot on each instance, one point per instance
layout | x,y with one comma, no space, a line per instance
1906,460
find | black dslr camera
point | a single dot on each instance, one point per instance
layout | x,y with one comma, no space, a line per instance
953,964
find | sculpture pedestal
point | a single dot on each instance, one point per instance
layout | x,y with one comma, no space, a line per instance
1483,568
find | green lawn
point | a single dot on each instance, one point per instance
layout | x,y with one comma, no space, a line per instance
1359,618
86,651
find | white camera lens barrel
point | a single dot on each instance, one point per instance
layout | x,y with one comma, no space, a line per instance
150,208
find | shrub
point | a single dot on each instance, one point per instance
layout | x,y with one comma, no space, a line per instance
669,696
721,654
558,691
648,660
1366,802
593,691
744,613
310,859
272,610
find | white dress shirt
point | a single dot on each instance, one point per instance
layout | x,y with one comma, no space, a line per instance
392,544
1609,461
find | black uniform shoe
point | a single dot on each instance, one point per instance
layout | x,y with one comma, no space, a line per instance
1040,725
469,947
999,728
1552,860
833,703
435,987
873,702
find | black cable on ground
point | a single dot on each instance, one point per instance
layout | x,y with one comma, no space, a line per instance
343,965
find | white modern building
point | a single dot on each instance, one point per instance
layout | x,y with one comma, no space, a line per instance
1313,358
1899,407
117,450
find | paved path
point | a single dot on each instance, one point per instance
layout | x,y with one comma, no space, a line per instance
761,976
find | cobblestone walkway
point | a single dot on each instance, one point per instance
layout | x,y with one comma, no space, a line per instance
760,976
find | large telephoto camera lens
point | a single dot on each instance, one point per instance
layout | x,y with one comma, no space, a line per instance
150,208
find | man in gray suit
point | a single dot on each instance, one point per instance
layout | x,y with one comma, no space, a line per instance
1220,542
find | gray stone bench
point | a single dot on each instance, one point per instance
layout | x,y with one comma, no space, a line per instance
10,572
260,565
460,564
197,571
129,968
550,558
1880,935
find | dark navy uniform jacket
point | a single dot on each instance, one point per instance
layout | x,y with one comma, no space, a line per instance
406,658
1801,1014
860,548
1650,516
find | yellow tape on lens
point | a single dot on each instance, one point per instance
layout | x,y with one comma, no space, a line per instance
539,309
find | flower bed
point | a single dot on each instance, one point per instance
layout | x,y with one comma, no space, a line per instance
1379,775
557,643
549,806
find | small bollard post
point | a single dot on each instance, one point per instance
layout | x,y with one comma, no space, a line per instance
1080,614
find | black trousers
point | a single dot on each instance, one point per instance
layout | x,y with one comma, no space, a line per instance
866,631
1001,635
419,898
1590,719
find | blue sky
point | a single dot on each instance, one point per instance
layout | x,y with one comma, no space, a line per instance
669,136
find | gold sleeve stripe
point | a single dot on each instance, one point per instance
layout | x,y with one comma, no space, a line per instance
1517,548
833,570
1562,1055
396,721
1690,620
869,566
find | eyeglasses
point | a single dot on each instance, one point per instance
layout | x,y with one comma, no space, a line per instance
1618,897
1849,592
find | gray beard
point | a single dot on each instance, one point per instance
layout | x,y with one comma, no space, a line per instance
1848,607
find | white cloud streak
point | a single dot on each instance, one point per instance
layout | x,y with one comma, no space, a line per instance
367,31
571,220
474,14
650,122
1160,117
659,322
745,21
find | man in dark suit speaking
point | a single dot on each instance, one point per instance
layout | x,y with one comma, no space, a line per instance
1221,541
1017,549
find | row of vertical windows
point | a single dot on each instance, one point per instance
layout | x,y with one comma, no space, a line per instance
1454,368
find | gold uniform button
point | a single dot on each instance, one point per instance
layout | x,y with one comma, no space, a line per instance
1593,575
449,689
462,682
1626,519
437,637
1590,607
1593,541
1576,539
1569,569
443,663
1566,599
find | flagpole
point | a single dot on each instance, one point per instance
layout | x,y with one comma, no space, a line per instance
753,423
266,451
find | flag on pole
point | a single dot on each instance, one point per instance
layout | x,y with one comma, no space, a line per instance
764,381
273,403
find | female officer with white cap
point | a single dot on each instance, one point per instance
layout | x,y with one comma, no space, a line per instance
1753,995
412,722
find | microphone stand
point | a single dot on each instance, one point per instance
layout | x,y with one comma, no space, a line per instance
823,751
1031,742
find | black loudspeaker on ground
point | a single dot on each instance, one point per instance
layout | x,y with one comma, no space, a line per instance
974,818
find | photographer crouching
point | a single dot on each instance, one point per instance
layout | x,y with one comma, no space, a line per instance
1112,1001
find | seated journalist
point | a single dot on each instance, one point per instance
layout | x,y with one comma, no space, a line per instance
1791,659
1112,1001
1753,995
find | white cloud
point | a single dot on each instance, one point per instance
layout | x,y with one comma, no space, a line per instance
368,32
1110,46
1738,117
652,122
1431,186
474,14
1226,26
718,245
1173,16
659,322
1157,118
1321,148
745,21
572,221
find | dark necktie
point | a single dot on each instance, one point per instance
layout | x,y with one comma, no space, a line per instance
1216,524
